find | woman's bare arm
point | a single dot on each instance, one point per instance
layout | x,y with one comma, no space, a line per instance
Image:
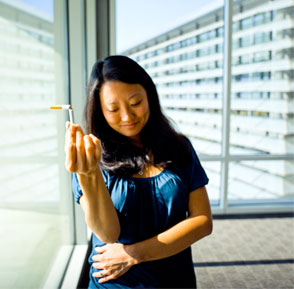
100,214
116,259
83,154
182,235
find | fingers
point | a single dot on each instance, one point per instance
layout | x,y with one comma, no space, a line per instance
101,274
101,249
97,147
82,151
72,140
70,149
108,269
98,265
80,147
89,151
106,275
67,135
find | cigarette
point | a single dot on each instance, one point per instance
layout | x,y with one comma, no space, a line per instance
70,111
65,107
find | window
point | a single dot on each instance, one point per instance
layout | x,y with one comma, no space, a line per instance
245,59
193,95
259,132
265,180
262,37
36,208
220,32
245,41
262,56
182,63
246,23
258,19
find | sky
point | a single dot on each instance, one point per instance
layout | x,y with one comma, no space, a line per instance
42,5
140,20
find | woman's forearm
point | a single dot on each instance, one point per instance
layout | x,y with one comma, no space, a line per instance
100,214
173,240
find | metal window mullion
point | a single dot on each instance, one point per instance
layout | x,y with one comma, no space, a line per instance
105,28
255,157
226,103
77,84
91,33
265,157
112,27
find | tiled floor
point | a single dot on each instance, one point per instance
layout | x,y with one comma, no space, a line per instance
247,253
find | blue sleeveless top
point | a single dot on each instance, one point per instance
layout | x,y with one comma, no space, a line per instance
147,207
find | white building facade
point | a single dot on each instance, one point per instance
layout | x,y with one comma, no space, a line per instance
186,64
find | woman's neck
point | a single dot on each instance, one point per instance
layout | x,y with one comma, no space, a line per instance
148,171
136,140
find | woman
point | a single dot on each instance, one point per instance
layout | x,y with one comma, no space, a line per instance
139,182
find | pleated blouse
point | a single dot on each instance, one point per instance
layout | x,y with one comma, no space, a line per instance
147,207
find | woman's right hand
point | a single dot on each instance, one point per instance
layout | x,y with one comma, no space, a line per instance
83,152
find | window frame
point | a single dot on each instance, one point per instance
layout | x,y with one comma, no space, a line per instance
91,26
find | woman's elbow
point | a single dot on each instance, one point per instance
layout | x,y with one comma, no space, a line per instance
209,226
106,234
109,238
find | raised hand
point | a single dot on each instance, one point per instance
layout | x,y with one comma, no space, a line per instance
83,152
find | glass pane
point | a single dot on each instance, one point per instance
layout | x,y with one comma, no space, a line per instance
212,170
261,181
35,208
182,50
262,120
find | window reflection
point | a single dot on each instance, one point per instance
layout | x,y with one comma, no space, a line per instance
35,222
261,98
265,181
188,74
261,94
186,66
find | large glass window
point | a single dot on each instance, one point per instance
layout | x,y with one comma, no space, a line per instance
261,181
35,209
189,76
262,119
188,71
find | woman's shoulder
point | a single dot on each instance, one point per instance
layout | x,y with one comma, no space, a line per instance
193,170
108,175
187,148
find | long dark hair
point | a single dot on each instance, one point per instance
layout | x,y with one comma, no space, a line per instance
119,155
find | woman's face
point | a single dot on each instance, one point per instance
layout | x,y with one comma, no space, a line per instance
125,108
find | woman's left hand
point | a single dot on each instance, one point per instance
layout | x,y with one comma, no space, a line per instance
113,261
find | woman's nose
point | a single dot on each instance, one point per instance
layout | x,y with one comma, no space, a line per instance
126,115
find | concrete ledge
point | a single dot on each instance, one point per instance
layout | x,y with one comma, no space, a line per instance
75,267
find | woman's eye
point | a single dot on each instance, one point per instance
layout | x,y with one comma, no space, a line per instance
137,103
113,110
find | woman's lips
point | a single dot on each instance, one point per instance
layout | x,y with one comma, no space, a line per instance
130,125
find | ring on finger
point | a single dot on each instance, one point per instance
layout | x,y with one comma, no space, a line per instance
101,274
